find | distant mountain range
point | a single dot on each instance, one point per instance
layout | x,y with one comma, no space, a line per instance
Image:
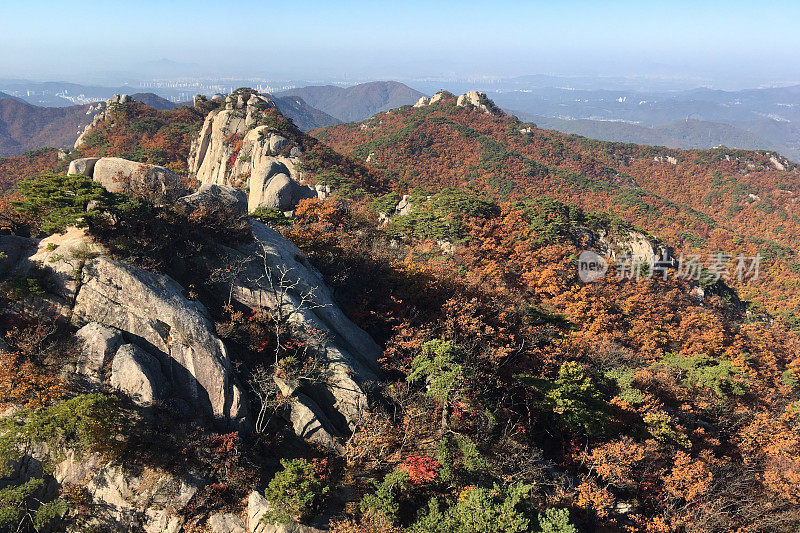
685,134
153,100
358,102
4,96
303,115
25,127
698,118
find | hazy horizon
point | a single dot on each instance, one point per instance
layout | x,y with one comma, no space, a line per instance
679,43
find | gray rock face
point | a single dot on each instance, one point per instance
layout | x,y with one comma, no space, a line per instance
140,179
152,310
257,505
76,469
280,192
14,252
84,165
226,523
276,143
217,198
116,303
350,353
480,101
62,254
99,343
137,374
404,207
310,423
99,116
634,244
214,159
475,99
153,499
306,417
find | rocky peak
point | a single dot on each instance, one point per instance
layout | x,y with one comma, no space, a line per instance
474,99
239,145
101,114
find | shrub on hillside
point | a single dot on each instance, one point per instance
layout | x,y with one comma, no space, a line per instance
574,399
54,201
295,493
441,215
81,423
478,510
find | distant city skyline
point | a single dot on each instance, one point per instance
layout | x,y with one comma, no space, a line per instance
732,44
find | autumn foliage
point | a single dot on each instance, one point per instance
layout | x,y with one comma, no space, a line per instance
672,411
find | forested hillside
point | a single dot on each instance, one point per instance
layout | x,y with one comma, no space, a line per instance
27,127
698,201
217,380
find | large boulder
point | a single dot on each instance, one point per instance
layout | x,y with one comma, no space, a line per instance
279,191
153,310
137,374
84,165
350,354
139,179
98,344
217,198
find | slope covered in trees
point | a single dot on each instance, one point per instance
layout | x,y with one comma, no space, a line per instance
635,405
32,163
698,201
28,127
512,397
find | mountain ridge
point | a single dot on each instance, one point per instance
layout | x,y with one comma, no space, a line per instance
670,191
24,126
415,346
356,102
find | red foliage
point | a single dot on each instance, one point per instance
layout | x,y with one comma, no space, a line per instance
421,469
321,468
224,444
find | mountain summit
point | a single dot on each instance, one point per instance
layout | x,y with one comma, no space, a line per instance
357,102
474,99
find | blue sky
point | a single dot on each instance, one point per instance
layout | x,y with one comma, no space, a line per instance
376,38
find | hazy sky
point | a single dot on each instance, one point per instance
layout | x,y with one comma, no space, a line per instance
757,41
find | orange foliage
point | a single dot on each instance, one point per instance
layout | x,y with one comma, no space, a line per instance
721,199
690,478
